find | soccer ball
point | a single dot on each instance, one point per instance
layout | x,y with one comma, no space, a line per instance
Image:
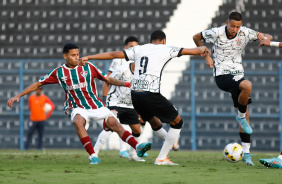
233,152
47,107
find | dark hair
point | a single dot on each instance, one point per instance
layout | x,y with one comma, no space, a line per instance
235,16
131,39
68,47
157,35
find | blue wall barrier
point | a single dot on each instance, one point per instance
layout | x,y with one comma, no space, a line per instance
192,72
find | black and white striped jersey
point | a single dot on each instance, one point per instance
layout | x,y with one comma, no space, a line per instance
227,53
150,60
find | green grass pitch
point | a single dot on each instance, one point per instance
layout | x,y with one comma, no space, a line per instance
72,166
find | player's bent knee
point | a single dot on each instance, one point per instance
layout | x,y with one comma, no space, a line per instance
178,125
136,134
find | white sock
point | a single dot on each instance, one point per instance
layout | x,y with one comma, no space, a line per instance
171,137
122,145
132,151
280,156
102,138
246,147
161,133
241,115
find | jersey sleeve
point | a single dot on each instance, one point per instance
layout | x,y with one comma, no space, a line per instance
174,51
210,35
117,73
129,53
96,72
50,78
251,34
113,65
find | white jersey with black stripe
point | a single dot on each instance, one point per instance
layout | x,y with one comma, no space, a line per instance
227,53
150,60
118,95
116,63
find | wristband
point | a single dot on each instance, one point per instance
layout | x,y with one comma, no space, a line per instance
274,44
127,84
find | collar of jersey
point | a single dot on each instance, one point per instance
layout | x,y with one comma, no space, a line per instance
65,66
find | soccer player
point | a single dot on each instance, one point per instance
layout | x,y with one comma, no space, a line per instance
150,60
229,41
81,101
119,102
130,41
275,162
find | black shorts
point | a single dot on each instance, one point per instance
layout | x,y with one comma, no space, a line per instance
149,104
230,83
125,115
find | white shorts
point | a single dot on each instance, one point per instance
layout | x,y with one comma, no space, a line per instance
99,115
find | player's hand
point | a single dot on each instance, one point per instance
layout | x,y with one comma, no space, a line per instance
209,61
204,51
82,61
11,101
260,36
264,42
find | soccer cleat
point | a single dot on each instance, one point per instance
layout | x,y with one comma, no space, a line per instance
95,160
244,125
142,148
274,162
176,147
145,155
135,158
123,154
164,162
247,159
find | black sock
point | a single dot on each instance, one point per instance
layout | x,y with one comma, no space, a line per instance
242,108
245,137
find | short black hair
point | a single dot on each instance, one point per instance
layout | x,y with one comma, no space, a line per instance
131,39
68,47
157,35
235,16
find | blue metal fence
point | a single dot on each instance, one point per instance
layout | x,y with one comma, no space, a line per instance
192,73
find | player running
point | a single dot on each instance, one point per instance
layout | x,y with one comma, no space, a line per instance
229,42
275,162
150,60
81,101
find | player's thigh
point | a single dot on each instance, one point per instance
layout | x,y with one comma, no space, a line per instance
79,116
129,116
164,109
142,104
228,83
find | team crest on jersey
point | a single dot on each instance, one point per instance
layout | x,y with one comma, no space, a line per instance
239,42
84,73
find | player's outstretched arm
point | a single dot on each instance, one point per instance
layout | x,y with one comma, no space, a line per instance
102,56
202,51
27,90
116,82
267,42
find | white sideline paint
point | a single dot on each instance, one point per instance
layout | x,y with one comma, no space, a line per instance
189,18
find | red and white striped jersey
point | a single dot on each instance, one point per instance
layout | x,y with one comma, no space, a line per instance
79,85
